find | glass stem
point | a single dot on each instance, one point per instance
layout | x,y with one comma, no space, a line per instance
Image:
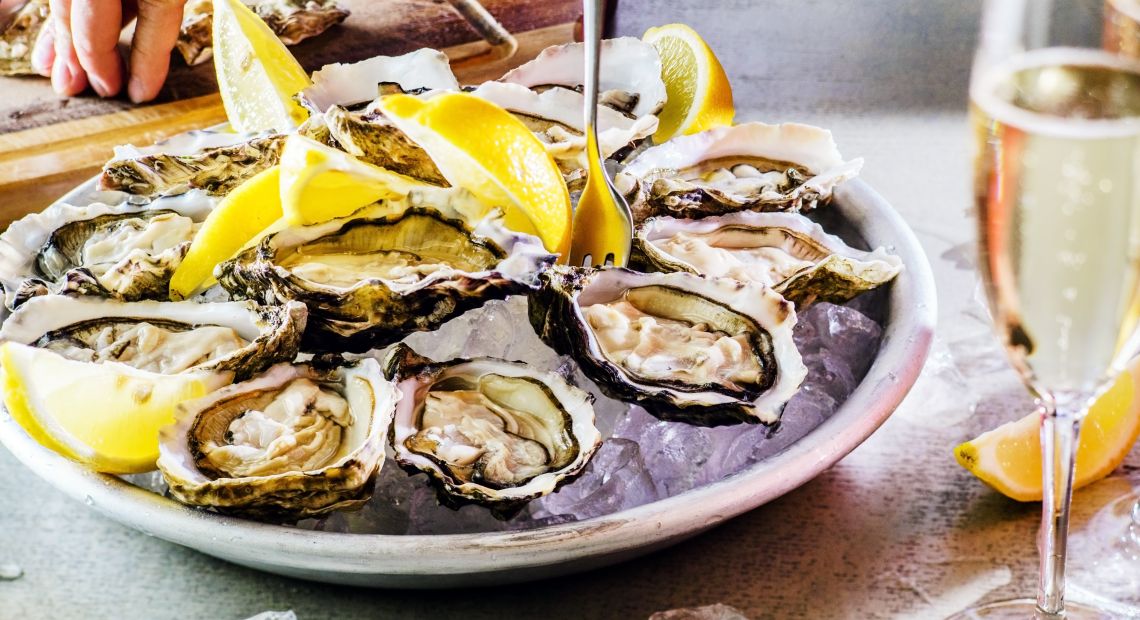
1060,430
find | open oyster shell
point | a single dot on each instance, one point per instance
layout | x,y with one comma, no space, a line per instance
756,166
295,442
292,21
629,73
124,251
370,281
349,84
213,161
162,337
19,37
784,251
488,431
687,348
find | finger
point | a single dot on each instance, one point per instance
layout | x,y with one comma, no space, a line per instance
95,26
156,31
67,76
43,53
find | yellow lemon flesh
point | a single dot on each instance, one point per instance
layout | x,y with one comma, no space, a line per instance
238,219
320,183
257,76
484,149
1008,458
106,416
699,94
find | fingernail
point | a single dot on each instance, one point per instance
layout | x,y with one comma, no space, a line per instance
43,54
61,77
101,87
135,89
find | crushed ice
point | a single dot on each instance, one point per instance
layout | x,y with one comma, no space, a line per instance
643,459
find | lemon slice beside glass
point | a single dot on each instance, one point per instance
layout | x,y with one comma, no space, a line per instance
1008,458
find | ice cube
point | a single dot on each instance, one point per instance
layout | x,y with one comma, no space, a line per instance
614,480
716,611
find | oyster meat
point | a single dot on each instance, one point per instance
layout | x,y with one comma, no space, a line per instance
371,137
295,442
369,281
756,166
785,251
215,162
488,431
127,256
292,21
161,337
687,348
19,37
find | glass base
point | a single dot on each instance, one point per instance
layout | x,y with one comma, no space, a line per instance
1104,548
1026,609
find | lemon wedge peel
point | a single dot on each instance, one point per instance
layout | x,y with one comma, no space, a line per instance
1008,458
257,75
106,416
232,225
698,90
484,149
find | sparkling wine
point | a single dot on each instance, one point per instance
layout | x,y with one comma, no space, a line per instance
1058,197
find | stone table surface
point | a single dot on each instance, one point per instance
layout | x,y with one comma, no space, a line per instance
894,530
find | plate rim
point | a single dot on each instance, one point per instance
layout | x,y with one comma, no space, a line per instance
375,558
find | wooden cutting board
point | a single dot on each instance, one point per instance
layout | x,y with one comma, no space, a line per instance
53,144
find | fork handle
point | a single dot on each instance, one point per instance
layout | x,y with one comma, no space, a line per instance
592,18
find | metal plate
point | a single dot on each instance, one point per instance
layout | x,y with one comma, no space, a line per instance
507,557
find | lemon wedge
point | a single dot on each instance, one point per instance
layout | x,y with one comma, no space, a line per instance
1008,458
239,218
320,183
106,416
483,148
699,94
257,76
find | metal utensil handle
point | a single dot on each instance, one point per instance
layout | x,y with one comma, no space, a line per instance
502,42
592,36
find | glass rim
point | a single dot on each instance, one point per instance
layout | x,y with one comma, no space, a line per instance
985,80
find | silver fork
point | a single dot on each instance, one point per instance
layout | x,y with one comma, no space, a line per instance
603,225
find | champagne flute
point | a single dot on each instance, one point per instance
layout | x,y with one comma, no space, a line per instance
1105,563
1057,190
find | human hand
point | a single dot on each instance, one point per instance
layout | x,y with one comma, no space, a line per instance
79,46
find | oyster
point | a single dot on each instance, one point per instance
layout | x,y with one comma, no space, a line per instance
295,442
22,244
19,37
555,116
488,431
687,348
335,100
161,337
787,167
369,281
371,137
629,73
785,251
215,162
292,21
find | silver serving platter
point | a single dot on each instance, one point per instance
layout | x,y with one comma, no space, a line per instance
439,561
